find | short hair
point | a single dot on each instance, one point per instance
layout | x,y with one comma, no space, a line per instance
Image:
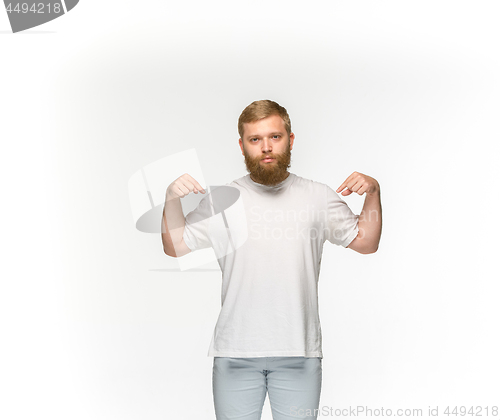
258,110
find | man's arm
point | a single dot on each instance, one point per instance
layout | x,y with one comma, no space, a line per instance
173,243
370,226
370,219
173,221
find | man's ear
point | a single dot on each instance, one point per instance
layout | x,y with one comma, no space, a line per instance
241,146
292,138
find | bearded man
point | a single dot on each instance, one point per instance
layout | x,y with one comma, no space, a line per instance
267,339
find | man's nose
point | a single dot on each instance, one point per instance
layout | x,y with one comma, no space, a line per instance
266,144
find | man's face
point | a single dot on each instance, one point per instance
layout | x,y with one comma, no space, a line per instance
263,138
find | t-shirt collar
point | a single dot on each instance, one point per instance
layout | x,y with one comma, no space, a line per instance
271,188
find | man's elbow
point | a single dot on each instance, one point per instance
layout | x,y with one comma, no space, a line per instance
178,250
361,247
371,251
370,248
167,252
170,252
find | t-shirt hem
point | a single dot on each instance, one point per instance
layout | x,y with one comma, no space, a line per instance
266,354
187,240
351,237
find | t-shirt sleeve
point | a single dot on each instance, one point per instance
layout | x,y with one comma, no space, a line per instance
196,230
341,224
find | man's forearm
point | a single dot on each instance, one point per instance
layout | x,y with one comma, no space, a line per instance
173,223
370,221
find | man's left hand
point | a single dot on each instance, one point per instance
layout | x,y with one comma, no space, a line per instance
359,183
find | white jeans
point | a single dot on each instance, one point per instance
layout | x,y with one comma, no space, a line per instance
240,386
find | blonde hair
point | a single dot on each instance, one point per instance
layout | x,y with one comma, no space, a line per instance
258,110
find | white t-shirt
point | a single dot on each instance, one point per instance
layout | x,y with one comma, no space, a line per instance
269,245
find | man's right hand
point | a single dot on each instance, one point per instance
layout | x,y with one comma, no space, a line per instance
182,186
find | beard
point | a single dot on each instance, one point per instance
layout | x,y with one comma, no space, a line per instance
269,173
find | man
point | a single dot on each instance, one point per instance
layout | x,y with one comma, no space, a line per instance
268,334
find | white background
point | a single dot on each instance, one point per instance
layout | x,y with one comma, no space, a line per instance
92,323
